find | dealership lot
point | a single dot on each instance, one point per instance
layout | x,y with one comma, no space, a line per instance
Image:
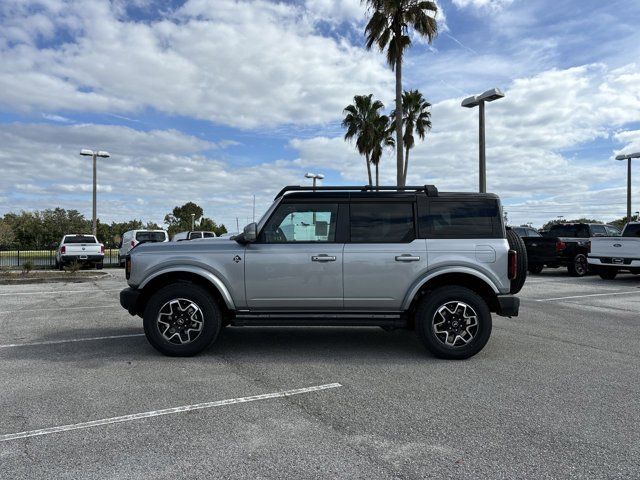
555,394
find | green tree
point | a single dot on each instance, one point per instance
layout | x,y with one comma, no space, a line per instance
208,225
6,234
382,137
179,220
361,120
416,119
389,28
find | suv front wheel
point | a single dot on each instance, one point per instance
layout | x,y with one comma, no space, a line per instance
182,319
453,322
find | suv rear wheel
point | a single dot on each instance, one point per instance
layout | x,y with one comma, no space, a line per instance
181,320
453,322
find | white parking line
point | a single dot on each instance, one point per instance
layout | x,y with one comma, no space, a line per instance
588,295
57,309
166,411
70,340
62,291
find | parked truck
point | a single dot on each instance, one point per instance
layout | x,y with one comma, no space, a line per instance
83,249
565,245
610,255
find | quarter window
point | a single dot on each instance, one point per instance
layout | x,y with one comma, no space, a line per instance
382,223
301,223
464,218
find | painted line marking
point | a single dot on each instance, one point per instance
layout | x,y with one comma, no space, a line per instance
70,340
167,411
62,291
588,295
57,309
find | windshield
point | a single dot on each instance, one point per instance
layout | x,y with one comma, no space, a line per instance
151,236
80,239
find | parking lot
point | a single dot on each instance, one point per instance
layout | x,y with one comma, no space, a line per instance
555,394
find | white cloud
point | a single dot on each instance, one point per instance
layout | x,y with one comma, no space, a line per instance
490,4
243,64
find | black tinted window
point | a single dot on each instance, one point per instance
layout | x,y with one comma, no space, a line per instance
598,230
520,231
532,233
632,230
80,239
382,223
150,236
466,218
575,231
196,235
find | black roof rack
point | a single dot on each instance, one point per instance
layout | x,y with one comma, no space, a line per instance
429,190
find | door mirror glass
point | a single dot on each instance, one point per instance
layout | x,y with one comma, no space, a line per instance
250,232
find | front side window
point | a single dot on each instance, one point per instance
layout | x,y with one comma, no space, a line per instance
612,231
382,223
599,230
292,223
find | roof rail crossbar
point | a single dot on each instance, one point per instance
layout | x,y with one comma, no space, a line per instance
430,190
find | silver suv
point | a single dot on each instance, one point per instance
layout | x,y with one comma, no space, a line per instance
410,257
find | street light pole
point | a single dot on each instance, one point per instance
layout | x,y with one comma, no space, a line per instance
479,101
94,154
193,222
628,159
314,176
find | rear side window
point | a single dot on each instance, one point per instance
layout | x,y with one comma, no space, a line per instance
572,231
612,231
464,218
80,239
632,230
208,234
150,236
382,223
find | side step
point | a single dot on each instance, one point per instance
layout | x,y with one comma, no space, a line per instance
306,319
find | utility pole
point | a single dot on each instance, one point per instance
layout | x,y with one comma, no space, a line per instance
94,154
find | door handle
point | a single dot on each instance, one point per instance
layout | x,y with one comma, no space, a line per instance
407,258
323,258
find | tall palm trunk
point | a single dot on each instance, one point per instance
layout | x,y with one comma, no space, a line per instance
366,158
399,115
377,176
406,166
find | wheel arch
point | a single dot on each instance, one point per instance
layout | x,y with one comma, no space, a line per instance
471,279
202,278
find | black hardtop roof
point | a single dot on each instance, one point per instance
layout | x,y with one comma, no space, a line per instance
347,192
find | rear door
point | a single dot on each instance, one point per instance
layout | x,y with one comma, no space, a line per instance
383,256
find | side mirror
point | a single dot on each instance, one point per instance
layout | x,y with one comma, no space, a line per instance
250,233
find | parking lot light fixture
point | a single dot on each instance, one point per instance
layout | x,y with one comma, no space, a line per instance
94,154
315,177
628,158
479,101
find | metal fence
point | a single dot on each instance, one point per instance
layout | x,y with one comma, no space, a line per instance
42,259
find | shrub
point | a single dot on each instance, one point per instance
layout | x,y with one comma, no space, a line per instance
73,267
27,267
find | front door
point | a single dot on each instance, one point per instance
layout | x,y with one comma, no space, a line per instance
296,264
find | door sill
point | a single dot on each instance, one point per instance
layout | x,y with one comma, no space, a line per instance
322,319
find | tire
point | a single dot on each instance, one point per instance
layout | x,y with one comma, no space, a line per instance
535,268
579,267
61,265
121,262
607,273
99,265
182,342
516,243
432,311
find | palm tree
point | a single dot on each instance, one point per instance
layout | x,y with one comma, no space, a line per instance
361,120
416,118
388,28
382,137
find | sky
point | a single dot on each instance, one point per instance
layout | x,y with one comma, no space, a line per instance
215,101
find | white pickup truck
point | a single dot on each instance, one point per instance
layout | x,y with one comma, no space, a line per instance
84,249
610,255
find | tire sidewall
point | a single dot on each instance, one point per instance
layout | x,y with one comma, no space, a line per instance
211,315
574,271
427,309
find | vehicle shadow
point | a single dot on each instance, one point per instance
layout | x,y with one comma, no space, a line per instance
267,345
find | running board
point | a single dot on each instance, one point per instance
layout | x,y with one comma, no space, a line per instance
305,319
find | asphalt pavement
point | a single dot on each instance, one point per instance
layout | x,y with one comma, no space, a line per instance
554,394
